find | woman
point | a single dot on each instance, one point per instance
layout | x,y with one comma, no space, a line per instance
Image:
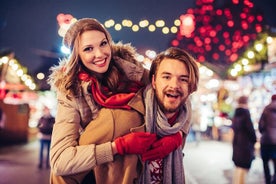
98,74
243,141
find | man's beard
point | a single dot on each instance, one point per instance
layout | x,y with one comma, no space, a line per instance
165,109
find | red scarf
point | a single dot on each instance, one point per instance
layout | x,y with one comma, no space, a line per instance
119,100
172,120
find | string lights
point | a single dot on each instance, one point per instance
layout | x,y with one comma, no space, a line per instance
219,36
65,20
252,59
16,72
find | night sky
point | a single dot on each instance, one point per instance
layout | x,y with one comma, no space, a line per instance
30,27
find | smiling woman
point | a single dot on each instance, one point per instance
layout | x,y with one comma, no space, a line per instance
99,81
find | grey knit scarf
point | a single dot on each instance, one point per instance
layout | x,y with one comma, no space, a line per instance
156,122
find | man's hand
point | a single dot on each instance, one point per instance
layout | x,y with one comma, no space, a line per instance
135,143
163,147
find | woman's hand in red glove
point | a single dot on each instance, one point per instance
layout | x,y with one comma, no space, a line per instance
135,143
163,147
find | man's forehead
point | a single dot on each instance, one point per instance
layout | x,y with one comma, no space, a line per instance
168,65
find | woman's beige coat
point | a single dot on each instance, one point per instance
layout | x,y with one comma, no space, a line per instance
67,157
110,124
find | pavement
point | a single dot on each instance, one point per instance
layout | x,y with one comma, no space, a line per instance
210,162
205,162
19,165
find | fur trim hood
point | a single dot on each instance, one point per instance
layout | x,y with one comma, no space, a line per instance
121,53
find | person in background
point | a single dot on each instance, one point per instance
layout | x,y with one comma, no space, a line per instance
243,141
174,77
45,127
98,74
267,128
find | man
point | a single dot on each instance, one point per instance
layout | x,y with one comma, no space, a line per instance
267,127
174,76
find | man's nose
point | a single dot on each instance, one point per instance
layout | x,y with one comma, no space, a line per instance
174,83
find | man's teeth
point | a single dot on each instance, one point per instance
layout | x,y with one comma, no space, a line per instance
170,95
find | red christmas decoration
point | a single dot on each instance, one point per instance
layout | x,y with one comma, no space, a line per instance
222,31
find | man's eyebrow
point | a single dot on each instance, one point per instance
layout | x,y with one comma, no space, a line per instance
168,73
186,76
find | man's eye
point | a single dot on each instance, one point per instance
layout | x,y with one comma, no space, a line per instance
184,80
166,77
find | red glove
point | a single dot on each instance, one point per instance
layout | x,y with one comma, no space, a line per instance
135,143
163,147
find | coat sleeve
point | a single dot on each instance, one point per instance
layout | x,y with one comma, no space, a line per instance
250,127
66,156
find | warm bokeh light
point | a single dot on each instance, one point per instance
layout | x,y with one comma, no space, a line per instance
127,23
250,54
40,76
165,30
118,27
152,28
143,23
135,28
109,23
187,25
160,23
16,72
173,29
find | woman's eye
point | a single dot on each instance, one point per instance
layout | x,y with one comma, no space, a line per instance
88,49
104,43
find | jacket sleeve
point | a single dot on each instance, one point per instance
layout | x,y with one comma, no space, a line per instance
66,156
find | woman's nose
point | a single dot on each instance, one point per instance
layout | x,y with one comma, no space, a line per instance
98,52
